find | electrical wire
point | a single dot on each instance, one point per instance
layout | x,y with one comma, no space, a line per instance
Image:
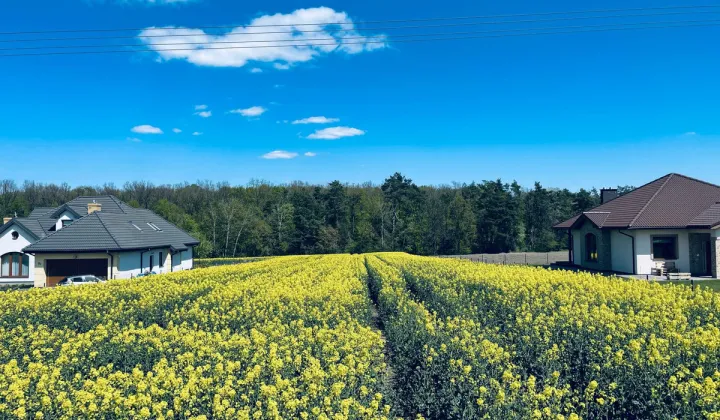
434,19
387,38
338,45
458,24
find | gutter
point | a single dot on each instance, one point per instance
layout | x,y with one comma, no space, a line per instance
632,239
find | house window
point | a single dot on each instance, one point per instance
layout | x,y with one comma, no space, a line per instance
15,265
66,223
160,259
15,236
152,264
591,253
664,247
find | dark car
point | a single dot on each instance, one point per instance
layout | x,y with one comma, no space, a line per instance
80,280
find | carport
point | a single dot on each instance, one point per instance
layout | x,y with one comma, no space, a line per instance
56,270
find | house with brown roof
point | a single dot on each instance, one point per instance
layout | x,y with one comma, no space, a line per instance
673,221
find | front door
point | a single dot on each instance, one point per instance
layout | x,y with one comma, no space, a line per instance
708,258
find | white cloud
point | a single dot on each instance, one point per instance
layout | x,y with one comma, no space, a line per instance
204,114
690,133
334,133
256,70
253,111
146,129
316,120
177,130
197,133
278,86
134,139
200,107
279,154
303,28
310,154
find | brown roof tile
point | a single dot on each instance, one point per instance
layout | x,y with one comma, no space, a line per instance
673,201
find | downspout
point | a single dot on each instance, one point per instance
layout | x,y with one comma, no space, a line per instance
632,239
112,264
172,260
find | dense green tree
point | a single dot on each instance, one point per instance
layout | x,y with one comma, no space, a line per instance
461,225
497,217
264,219
538,220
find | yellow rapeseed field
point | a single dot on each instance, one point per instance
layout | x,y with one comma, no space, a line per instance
476,340
361,336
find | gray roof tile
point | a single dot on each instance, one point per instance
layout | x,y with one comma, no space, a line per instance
85,234
39,212
111,230
33,226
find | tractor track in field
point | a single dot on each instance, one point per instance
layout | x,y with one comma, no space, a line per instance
377,323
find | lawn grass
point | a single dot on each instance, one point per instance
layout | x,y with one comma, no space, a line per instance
712,284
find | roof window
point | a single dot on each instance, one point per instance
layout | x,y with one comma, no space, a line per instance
136,226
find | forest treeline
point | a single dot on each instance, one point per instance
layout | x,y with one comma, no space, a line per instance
265,219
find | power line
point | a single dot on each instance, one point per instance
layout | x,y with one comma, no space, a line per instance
389,39
457,24
358,43
435,19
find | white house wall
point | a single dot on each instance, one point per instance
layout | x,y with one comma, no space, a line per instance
187,259
8,245
128,265
177,262
622,252
643,249
66,215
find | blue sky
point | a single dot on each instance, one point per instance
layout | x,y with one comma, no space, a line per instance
572,110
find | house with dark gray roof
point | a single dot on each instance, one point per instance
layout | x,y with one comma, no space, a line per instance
98,235
673,221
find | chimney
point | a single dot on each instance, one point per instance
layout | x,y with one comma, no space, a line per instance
7,220
607,194
93,207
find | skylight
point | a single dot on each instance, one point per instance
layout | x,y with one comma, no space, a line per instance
136,226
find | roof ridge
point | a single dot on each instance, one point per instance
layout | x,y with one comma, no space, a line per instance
65,207
106,228
119,203
697,180
669,177
628,193
88,196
